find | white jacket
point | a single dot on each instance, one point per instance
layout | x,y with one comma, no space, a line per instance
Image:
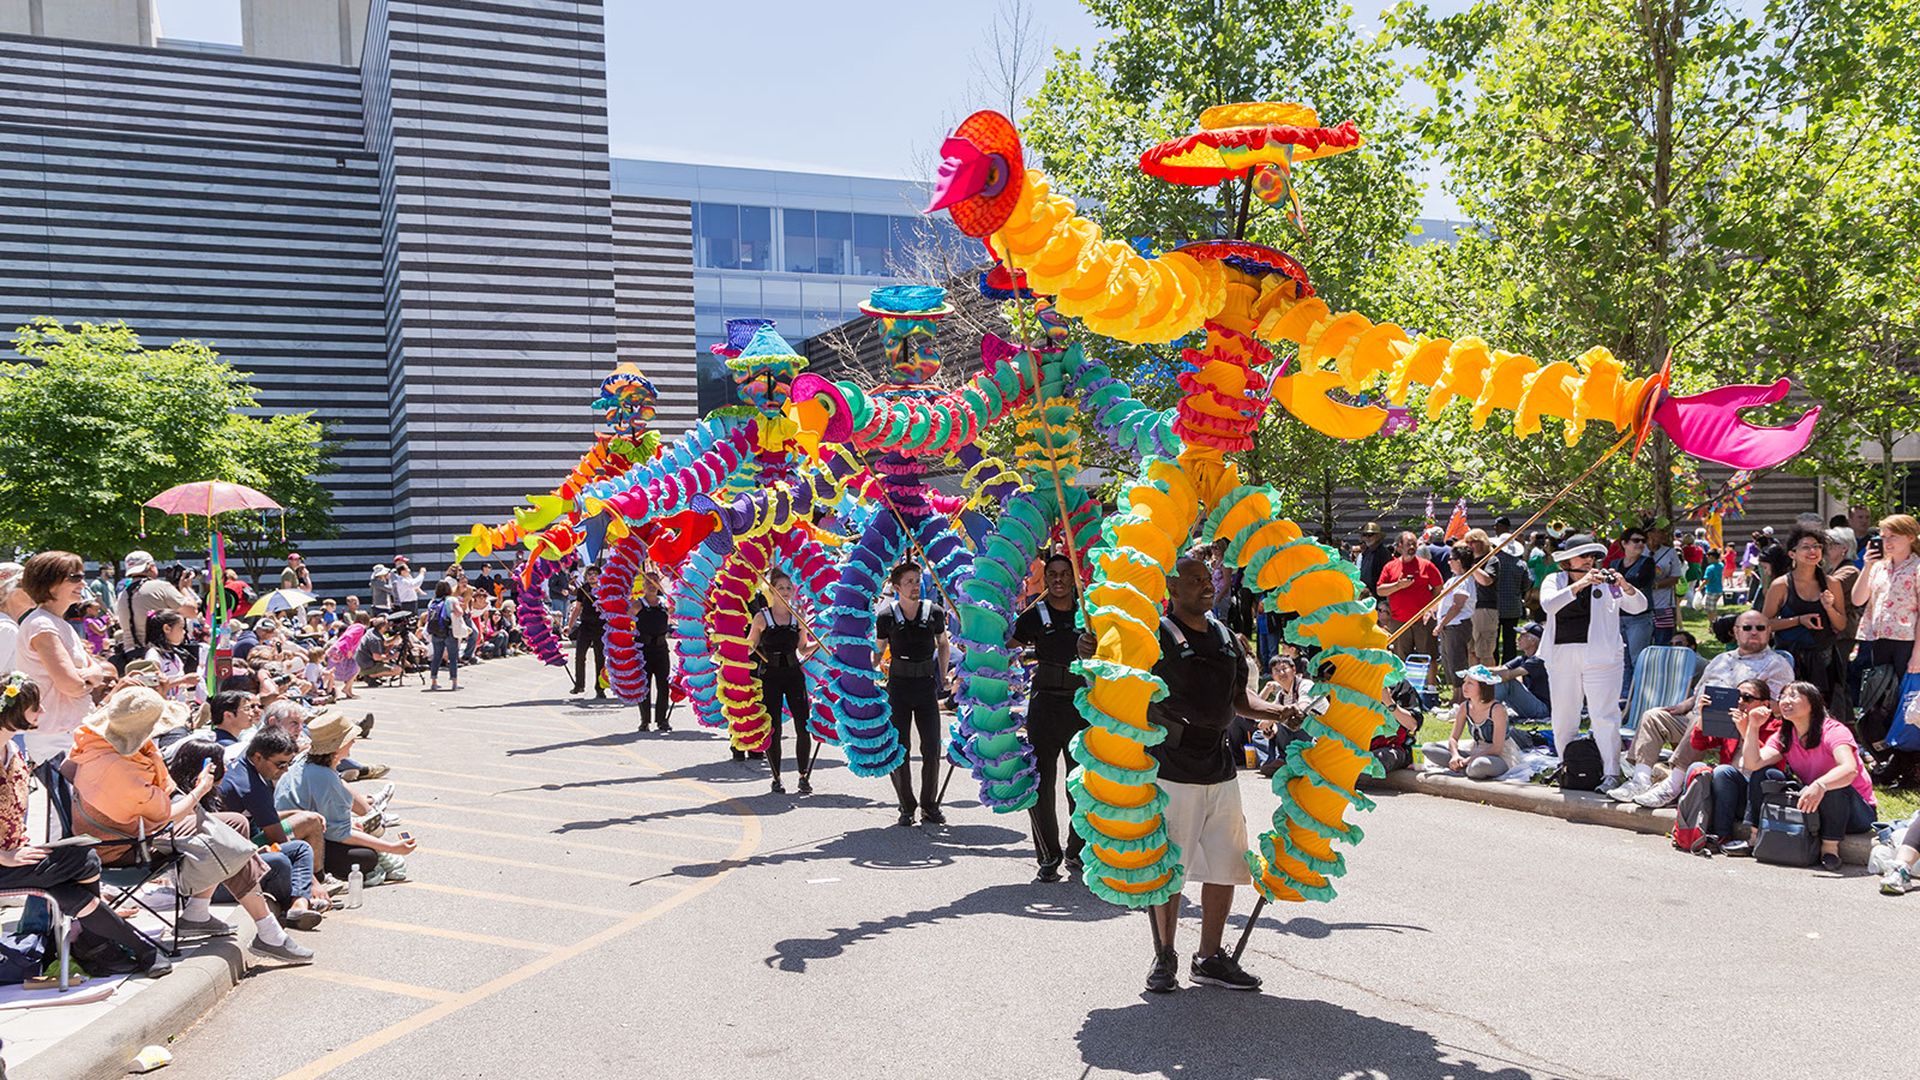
1603,628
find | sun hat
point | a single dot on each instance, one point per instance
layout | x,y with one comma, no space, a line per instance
1577,545
137,562
380,568
131,717
328,732
1480,673
1371,528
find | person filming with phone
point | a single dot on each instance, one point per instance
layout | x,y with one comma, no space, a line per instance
1806,616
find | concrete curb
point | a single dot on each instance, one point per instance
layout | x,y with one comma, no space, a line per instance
1581,807
104,1048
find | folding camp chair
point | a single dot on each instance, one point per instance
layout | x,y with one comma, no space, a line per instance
127,863
1418,667
1661,676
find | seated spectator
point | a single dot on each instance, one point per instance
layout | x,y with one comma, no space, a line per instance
122,789
1523,679
1820,752
71,875
1394,750
1897,879
166,641
1736,794
1750,658
290,843
234,714
329,613
1489,753
373,656
315,784
1288,688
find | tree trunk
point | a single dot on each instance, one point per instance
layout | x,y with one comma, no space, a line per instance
1665,33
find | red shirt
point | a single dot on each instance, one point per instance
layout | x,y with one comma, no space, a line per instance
1730,748
1406,603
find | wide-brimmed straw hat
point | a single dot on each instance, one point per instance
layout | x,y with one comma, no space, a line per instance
132,716
328,732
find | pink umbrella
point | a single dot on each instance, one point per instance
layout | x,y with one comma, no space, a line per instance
206,498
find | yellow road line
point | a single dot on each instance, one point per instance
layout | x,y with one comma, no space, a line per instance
365,982
558,840
453,935
514,898
650,830
749,840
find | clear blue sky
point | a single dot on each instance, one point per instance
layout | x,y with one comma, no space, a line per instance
853,86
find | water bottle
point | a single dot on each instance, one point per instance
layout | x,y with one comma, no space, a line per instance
355,882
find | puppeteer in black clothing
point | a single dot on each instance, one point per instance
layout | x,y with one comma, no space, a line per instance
914,633
651,624
1049,629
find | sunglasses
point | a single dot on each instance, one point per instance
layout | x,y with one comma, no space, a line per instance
76,577
1750,696
1751,629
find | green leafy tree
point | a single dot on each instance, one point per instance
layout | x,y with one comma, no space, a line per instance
1161,63
1644,165
92,424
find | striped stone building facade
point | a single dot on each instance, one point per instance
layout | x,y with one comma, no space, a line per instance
422,247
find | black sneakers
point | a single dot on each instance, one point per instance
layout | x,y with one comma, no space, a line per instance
906,818
1221,969
933,816
1075,866
778,787
1049,872
1161,977
806,784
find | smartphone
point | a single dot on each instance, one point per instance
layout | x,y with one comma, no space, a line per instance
406,837
1874,544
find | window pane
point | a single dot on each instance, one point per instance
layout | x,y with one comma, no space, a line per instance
756,238
870,245
833,241
796,232
718,236
903,235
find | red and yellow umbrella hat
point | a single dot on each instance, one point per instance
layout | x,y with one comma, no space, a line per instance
1248,135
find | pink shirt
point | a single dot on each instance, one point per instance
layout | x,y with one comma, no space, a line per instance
1810,765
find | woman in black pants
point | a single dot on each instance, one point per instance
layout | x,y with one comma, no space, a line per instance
1048,628
783,644
651,625
915,633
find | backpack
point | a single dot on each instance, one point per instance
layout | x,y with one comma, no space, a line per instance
1879,697
1580,766
1695,810
439,619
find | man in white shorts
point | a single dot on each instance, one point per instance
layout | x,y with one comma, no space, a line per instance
1206,676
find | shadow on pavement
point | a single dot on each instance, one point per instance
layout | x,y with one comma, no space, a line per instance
1314,930
893,848
617,738
1062,902
1222,1035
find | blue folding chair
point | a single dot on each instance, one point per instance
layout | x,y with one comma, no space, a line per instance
1662,676
1418,666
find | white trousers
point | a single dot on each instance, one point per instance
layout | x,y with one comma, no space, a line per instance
1573,678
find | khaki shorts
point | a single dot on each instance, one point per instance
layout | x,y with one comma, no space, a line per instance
1206,821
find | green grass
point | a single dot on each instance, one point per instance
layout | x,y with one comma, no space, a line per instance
1894,805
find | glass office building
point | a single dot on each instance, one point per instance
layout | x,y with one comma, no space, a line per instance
801,248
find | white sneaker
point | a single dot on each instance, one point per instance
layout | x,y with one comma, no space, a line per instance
1664,793
1896,881
1630,790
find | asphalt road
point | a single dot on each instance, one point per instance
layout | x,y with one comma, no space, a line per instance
593,902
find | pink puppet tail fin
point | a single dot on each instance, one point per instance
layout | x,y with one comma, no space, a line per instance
1708,426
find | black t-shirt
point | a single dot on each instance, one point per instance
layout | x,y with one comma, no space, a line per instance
1641,574
1572,624
592,624
1372,561
650,620
912,639
1533,672
1055,641
1204,682
1488,596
